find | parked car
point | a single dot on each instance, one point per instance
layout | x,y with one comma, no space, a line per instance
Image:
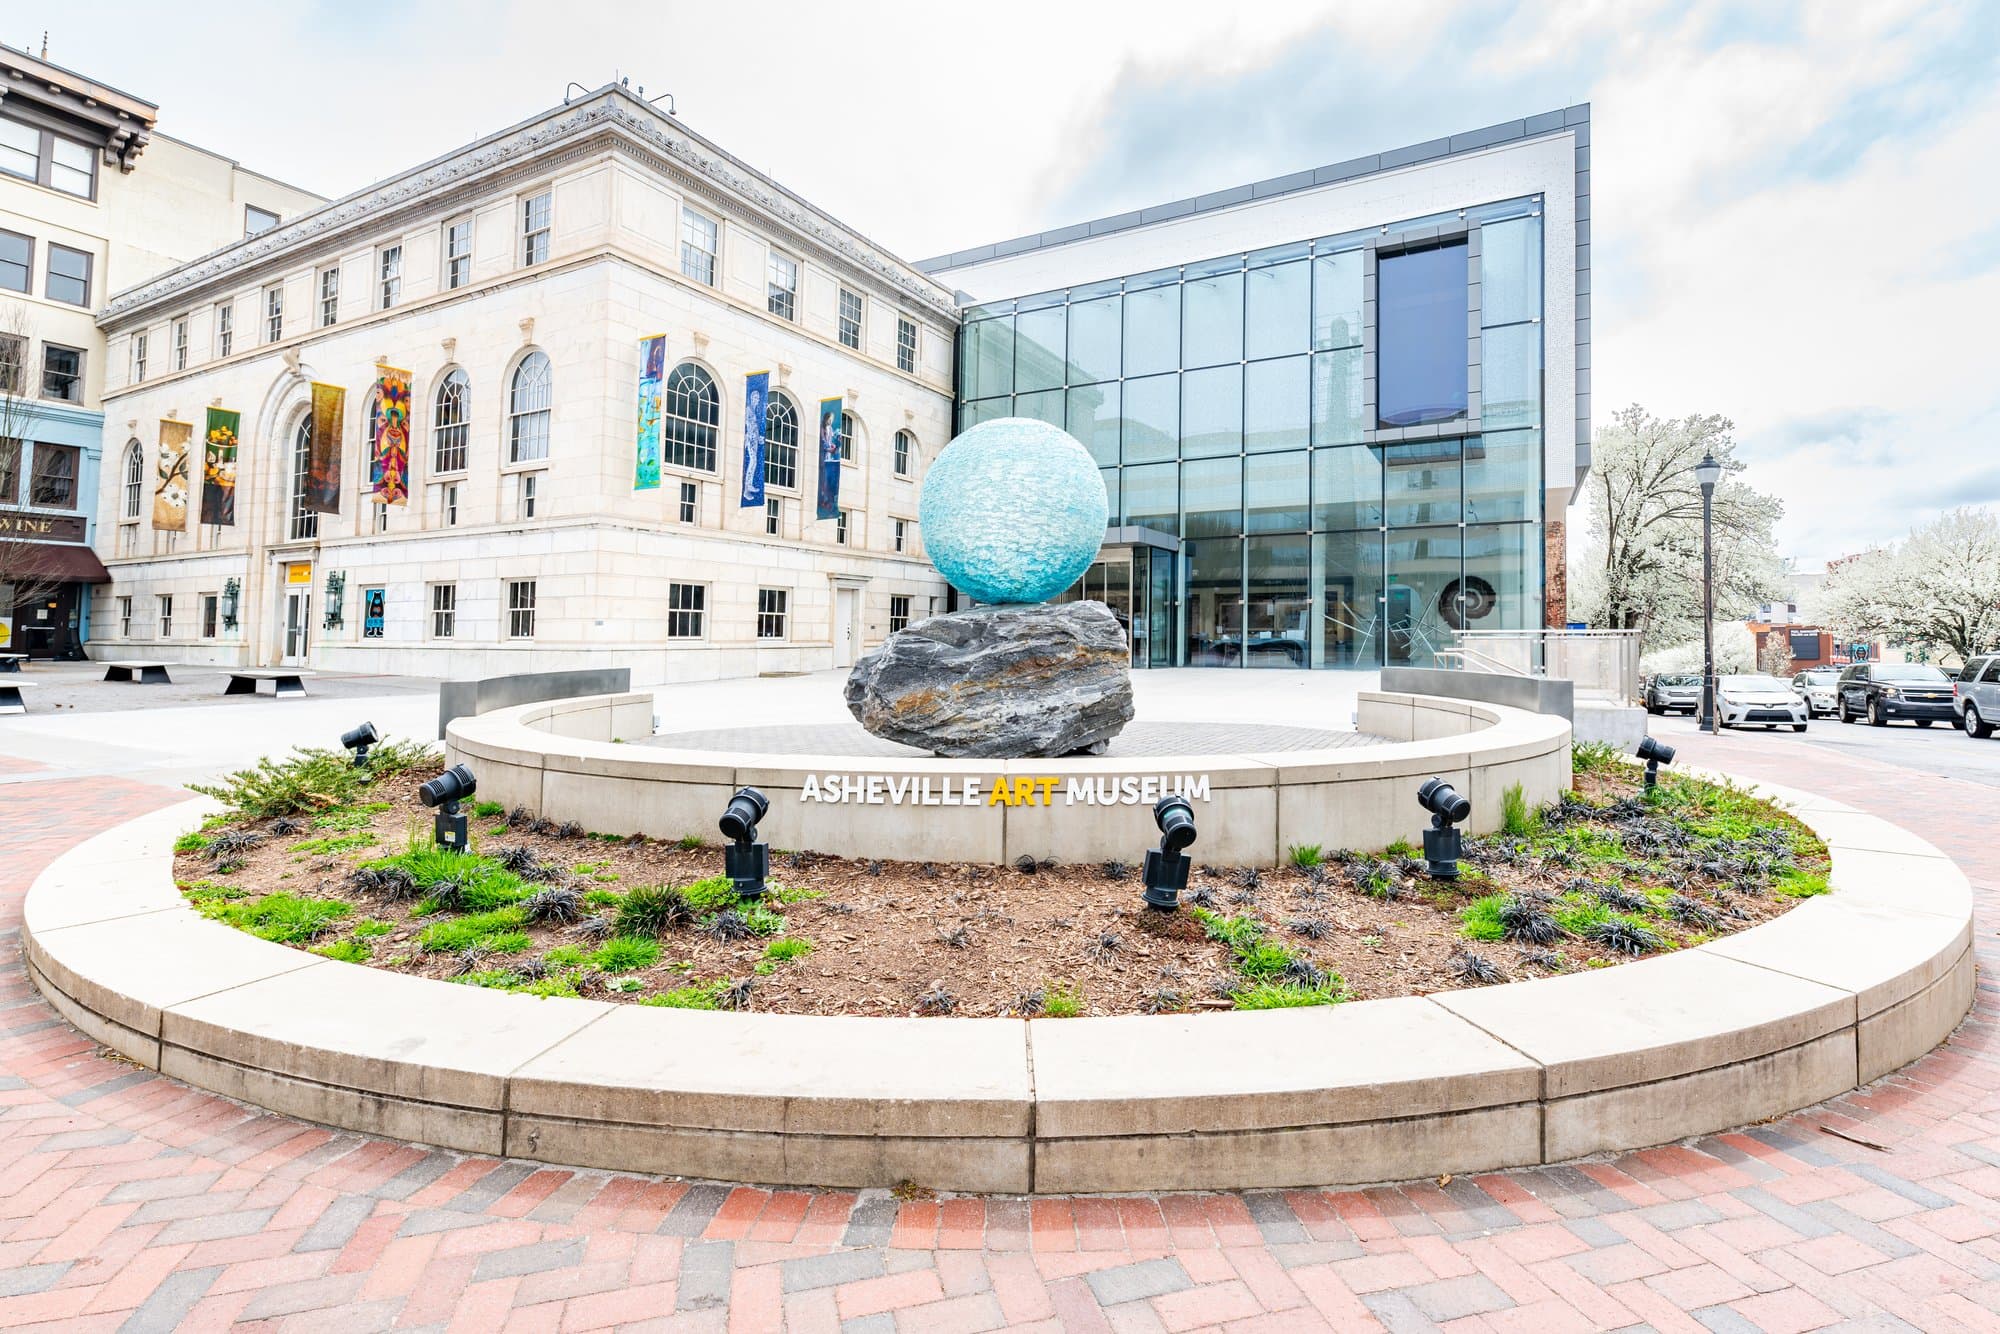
1668,691
1818,686
1975,695
1887,692
1742,701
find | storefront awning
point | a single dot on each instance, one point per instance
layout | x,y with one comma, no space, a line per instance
61,561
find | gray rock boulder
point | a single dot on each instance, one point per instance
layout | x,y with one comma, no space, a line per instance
1010,682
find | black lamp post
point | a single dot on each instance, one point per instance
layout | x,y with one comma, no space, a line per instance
1708,472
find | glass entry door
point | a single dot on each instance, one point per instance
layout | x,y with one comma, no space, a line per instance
1118,580
298,625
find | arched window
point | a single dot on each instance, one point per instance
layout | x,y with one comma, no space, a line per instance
449,425
369,450
781,442
528,410
135,477
906,453
304,522
692,419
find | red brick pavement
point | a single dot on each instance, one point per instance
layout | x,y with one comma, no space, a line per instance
129,1201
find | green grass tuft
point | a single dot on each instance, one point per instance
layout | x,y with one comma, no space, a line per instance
694,996
788,949
373,927
192,841
288,919
1273,995
626,954
1480,919
333,843
1801,884
346,951
487,810
1515,817
1596,757
1062,1000
462,933
1305,856
712,895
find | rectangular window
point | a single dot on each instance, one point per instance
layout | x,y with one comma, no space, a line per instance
444,610
389,272
690,502
166,616
902,536
274,314
68,276
13,370
20,149
903,443
530,486
374,603
73,168
1421,305
17,260
379,517
329,296
906,346
257,221
124,618
181,343
448,505
698,247
457,253
782,282
840,527
899,612
521,609
535,227
62,373
139,345
53,485
225,330
850,319
771,613
774,515
685,605
209,603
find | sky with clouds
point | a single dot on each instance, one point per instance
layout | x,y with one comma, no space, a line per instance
1796,212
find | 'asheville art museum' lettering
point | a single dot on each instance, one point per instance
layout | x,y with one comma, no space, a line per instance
1050,790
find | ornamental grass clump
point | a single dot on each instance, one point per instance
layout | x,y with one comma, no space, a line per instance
554,905
726,926
1475,969
523,862
936,1000
1625,935
652,910
1691,912
1526,918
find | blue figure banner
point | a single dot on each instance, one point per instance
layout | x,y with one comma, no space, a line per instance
829,459
756,394
652,368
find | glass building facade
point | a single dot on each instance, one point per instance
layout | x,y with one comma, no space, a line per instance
1332,449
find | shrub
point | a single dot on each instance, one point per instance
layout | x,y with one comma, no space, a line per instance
1515,817
1305,855
649,910
626,954
1693,912
310,779
1261,958
524,863
1595,757
595,927
1311,928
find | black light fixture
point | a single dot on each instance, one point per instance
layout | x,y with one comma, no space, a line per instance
358,740
1655,754
1166,869
1707,474
747,861
1441,840
232,593
445,792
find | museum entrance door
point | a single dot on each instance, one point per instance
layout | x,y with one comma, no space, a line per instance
1118,579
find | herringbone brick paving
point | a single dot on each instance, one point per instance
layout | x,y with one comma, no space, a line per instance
128,1201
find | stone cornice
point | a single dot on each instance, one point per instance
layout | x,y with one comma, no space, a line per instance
613,111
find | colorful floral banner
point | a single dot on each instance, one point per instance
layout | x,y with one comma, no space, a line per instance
829,459
652,372
322,488
756,397
389,452
218,466
170,490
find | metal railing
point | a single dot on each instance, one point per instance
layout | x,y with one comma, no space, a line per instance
1600,662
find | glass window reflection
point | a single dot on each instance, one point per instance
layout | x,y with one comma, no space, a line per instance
1211,498
1212,412
1277,310
1278,608
989,358
1275,405
1337,299
1348,572
1339,411
1038,349
1347,487
1212,323
1093,419
1503,476
1093,340
1152,330
1510,376
1420,367
1152,418
1275,489
1420,483
1510,271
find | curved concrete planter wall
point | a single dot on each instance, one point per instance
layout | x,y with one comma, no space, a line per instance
563,761
1838,992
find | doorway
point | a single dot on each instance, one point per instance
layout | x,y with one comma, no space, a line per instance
846,618
298,626
46,626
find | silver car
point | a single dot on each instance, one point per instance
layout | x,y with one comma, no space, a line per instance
1669,691
1975,695
1815,685
1745,701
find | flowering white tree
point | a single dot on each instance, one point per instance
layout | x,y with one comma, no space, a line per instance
1735,653
1940,587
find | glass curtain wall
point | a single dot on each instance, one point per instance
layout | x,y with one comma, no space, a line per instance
1227,403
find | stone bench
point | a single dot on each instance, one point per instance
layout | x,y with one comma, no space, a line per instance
144,673
284,681
11,662
11,699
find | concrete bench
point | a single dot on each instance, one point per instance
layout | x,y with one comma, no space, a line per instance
11,700
11,662
145,673
284,681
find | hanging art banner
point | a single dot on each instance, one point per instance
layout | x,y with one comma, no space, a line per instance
170,489
829,459
218,467
652,372
322,488
389,452
756,397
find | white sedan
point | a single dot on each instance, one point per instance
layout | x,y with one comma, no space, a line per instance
1747,700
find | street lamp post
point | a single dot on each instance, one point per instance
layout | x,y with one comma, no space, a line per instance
1708,472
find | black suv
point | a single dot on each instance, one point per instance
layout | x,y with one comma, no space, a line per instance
1885,692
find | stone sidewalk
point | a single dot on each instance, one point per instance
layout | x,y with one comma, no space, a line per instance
130,1201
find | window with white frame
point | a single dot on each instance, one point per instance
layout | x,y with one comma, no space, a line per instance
782,283
135,477
535,211
329,296
128,539
521,609
690,503
906,345
906,452
774,516
225,329
899,612
699,237
444,610
850,319
140,342
13,376
846,437
48,159
450,425
528,496
378,517
528,400
448,505
692,418
274,314
457,253
686,606
166,615
181,344
781,442
389,276
125,618
902,536
209,616
771,613
304,522
840,528
17,262
257,221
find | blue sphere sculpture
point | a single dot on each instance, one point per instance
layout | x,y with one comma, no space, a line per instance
1013,511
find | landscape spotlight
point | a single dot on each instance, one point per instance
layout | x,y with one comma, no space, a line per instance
358,740
747,861
1166,869
445,792
1655,754
1441,840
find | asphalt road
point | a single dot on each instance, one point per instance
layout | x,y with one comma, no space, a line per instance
1938,749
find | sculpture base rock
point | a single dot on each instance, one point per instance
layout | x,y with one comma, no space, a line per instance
1007,682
